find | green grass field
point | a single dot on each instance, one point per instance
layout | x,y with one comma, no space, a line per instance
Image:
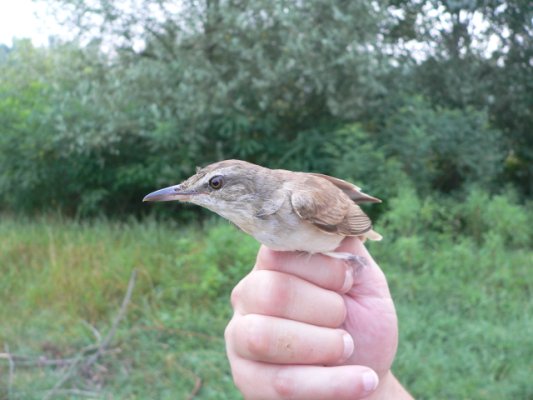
464,303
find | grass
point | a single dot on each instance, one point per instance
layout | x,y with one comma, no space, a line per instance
59,277
464,303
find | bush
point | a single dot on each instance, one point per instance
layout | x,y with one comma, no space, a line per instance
444,149
356,156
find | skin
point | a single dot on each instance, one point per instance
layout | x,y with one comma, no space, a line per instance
314,327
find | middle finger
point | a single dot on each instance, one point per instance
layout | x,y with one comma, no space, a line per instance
281,341
286,296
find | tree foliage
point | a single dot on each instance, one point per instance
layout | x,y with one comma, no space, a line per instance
481,56
151,89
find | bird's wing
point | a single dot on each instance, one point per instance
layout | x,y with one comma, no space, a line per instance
323,204
355,223
354,192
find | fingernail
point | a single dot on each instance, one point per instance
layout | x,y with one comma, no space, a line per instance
348,346
370,381
348,280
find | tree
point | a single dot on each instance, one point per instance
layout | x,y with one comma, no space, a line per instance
264,81
477,54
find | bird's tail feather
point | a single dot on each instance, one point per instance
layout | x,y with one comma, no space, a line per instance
371,235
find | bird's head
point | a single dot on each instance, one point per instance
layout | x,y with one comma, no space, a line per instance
228,188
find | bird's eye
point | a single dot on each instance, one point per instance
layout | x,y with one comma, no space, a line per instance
216,182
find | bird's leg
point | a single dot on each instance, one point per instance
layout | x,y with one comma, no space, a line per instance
355,265
352,259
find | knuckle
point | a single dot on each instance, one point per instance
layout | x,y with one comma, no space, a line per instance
268,259
273,293
236,294
245,384
240,381
284,384
265,258
256,339
339,391
228,331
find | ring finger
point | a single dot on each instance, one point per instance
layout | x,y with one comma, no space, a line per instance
280,341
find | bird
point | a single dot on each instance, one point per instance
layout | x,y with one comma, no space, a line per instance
282,209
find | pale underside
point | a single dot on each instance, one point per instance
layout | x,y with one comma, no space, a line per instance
311,214
285,210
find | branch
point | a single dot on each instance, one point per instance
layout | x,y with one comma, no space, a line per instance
43,361
64,378
197,387
101,348
11,375
78,392
120,315
93,329
197,381
177,331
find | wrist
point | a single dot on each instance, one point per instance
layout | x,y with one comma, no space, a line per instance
389,388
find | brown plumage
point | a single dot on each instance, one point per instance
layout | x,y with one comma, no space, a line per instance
323,203
282,209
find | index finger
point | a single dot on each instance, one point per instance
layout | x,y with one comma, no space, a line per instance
319,269
327,272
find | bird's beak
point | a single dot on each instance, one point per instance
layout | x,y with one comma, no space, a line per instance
169,194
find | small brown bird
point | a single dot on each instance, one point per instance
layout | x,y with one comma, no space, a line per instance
284,210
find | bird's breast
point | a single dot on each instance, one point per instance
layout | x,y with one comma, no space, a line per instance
282,229
290,233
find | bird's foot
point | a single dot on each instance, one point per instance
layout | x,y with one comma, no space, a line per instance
357,262
355,265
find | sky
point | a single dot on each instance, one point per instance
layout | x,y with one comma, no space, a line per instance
29,19
26,19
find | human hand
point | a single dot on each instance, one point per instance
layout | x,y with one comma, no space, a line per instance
313,327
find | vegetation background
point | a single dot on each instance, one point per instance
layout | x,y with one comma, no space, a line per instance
426,104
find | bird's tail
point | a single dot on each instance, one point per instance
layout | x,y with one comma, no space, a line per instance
371,235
